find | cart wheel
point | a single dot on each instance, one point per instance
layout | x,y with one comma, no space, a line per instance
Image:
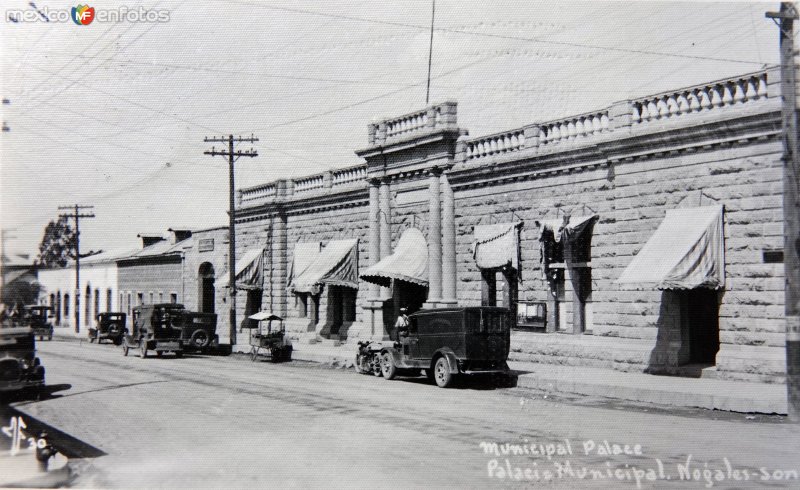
388,368
143,349
442,374
376,365
275,353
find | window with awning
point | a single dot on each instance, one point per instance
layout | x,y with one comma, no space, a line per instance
408,262
304,254
497,245
336,265
249,270
687,251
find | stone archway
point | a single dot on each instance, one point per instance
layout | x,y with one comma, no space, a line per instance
206,294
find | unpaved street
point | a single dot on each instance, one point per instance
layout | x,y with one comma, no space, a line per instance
225,421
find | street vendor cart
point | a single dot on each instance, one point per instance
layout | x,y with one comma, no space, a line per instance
274,339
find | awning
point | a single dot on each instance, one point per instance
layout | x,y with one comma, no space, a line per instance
576,226
686,251
264,315
497,245
336,265
408,262
570,241
249,270
304,254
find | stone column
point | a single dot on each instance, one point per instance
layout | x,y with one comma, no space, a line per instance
448,243
279,263
434,241
374,234
385,220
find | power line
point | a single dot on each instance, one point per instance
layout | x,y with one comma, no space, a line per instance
77,215
490,35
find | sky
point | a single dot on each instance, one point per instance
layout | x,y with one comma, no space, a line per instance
114,114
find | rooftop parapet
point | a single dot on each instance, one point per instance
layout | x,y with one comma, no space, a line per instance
432,118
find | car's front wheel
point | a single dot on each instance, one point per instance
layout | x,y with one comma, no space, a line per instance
388,367
442,374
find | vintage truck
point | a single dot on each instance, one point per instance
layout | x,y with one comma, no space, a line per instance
19,367
443,342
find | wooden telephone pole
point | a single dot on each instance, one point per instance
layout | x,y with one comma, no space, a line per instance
232,155
791,203
77,215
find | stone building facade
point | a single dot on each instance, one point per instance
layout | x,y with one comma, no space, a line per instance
547,219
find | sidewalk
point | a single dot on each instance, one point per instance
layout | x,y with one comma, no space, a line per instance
713,394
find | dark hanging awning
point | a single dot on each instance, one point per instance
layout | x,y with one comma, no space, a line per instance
686,251
249,270
336,265
408,262
497,245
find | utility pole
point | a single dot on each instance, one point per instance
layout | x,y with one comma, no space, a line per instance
232,155
77,214
4,235
430,54
791,203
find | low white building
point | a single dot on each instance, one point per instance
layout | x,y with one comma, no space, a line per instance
97,292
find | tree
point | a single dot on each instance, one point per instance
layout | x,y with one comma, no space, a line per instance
20,292
58,244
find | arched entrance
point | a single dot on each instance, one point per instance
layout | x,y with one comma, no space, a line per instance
206,292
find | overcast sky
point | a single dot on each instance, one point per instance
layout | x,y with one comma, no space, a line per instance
114,114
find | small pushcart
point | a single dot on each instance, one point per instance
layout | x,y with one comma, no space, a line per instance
273,340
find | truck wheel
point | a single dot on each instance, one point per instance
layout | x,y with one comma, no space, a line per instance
441,373
388,368
199,339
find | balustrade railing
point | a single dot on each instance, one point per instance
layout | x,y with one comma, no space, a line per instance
701,98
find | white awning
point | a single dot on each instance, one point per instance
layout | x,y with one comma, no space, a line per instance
408,262
264,315
686,251
249,270
496,245
304,254
337,265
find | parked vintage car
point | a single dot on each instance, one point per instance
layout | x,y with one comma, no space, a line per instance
19,366
444,342
37,317
152,329
109,326
198,330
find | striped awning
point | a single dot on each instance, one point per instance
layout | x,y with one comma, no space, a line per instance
336,265
497,245
408,262
249,270
686,251
304,255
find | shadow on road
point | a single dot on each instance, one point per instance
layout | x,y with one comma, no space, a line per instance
31,394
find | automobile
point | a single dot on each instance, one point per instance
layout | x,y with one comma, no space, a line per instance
110,325
198,330
152,329
37,317
19,367
445,343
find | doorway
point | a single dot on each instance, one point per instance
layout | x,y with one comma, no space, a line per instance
207,293
701,324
